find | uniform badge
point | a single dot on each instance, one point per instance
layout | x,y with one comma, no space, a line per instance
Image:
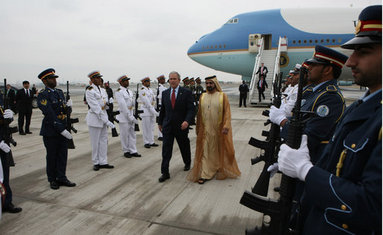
323,111
43,102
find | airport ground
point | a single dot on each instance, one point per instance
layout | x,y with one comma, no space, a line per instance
128,199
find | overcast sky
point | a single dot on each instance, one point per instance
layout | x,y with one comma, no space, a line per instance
116,37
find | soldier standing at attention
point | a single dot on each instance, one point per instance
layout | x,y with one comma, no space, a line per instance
243,90
51,102
199,89
161,88
149,114
97,120
126,119
186,82
343,190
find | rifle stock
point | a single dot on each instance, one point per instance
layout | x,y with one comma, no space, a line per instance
70,121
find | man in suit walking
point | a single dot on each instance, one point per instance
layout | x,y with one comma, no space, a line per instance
24,99
261,86
262,70
177,112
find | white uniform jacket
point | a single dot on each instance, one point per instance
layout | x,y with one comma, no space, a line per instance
126,104
97,101
148,100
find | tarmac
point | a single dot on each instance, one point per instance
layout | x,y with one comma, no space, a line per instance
129,199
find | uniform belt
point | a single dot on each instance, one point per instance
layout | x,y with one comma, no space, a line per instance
61,116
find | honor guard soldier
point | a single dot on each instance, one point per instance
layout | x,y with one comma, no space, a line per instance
109,107
149,114
6,116
343,190
97,121
51,102
186,82
161,88
126,119
199,89
326,101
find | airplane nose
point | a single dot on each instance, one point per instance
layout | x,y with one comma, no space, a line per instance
192,49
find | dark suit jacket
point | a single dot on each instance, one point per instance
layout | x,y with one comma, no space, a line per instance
265,70
24,102
264,85
183,110
10,100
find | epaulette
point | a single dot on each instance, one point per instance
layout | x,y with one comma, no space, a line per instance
90,88
331,88
142,88
118,89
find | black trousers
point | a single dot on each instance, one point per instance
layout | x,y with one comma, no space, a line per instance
260,93
242,97
8,191
57,155
27,116
167,147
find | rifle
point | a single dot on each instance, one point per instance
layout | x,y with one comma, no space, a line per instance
277,212
270,146
69,120
158,101
8,131
136,111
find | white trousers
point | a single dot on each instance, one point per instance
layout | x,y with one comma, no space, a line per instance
99,142
147,129
128,138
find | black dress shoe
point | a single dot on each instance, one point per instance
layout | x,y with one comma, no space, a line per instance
164,177
135,155
127,155
107,166
66,183
96,167
147,146
28,132
187,167
160,138
12,209
22,133
54,185
154,145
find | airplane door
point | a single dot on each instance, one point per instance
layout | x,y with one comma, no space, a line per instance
267,41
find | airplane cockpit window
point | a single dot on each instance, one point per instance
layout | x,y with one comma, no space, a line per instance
232,21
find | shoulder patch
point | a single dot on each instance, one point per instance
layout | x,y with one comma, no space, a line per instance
43,102
331,88
118,89
323,111
90,88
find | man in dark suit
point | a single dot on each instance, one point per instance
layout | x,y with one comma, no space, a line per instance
177,112
243,89
261,86
10,98
262,70
24,99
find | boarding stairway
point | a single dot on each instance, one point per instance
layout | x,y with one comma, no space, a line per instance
270,58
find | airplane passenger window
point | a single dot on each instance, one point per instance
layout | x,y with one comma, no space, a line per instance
339,40
294,41
220,46
224,45
311,41
304,41
333,41
299,41
211,47
321,40
316,41
215,46
328,40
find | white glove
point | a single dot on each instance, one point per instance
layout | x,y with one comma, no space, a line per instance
154,112
66,134
5,147
273,169
134,120
110,124
8,114
111,100
295,162
276,115
69,103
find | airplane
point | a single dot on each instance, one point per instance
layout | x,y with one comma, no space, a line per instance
285,35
